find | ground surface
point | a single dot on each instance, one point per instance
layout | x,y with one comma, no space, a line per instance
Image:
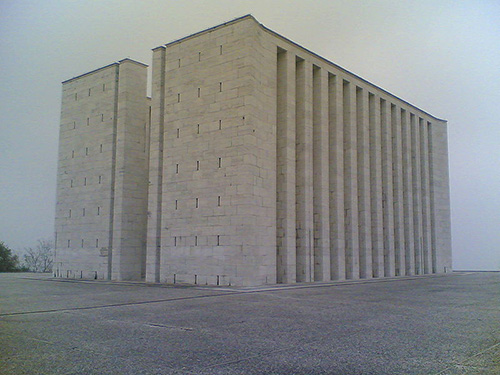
424,325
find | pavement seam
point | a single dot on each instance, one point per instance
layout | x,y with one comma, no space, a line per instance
468,359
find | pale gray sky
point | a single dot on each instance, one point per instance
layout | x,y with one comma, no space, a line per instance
440,55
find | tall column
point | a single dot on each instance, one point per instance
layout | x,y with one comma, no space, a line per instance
320,176
336,175
153,248
387,190
350,182
376,190
397,186
408,193
304,169
426,209
285,206
441,197
416,187
364,203
432,193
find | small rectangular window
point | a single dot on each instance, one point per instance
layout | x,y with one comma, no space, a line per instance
86,151
198,130
220,86
72,154
178,98
83,212
176,204
199,92
100,179
220,49
89,92
100,149
199,56
74,124
218,240
85,181
76,96
98,210
88,121
175,241
220,124
103,87
102,117
96,242
195,240
220,162
69,243
82,242
71,183
197,165
197,203
178,132
218,201
177,168
179,63
69,213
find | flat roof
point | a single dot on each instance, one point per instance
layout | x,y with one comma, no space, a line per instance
249,16
105,67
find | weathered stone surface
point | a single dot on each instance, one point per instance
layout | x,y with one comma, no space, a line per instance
254,162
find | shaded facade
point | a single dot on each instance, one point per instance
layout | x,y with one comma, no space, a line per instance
255,161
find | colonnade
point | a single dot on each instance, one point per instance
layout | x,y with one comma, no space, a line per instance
354,178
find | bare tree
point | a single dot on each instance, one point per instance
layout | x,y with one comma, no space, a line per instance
40,258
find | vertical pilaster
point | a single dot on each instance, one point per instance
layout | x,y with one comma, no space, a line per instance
387,190
416,187
350,182
336,176
304,169
376,190
397,186
441,198
432,193
285,215
320,176
408,193
364,203
426,209
153,248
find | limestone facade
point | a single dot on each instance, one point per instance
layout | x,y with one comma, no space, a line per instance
255,161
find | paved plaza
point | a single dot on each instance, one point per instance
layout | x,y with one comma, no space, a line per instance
420,325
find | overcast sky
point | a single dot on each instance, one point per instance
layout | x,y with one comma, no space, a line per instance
442,56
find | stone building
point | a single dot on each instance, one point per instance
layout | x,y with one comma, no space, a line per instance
254,161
